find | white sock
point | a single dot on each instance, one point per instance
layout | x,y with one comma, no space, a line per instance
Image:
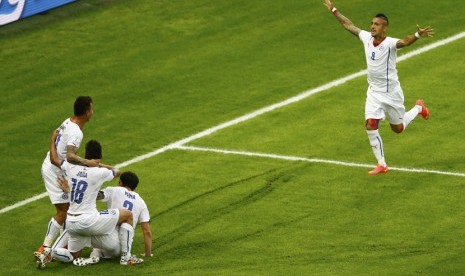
126,236
52,232
411,115
377,146
62,240
62,254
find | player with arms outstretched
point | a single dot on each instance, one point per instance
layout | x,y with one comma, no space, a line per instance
385,97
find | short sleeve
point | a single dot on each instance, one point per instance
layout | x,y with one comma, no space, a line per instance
364,36
144,214
75,138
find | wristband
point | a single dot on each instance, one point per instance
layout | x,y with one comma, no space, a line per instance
417,35
334,10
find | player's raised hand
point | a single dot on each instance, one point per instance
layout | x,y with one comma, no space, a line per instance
329,4
425,32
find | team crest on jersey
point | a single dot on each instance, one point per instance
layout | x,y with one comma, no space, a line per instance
381,48
64,196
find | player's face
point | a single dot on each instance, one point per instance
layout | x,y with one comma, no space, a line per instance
378,27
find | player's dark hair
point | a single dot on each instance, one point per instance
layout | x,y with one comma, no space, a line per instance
81,105
384,17
129,180
93,150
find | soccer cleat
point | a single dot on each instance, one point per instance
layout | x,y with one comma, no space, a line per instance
41,248
86,261
133,260
43,257
378,170
424,110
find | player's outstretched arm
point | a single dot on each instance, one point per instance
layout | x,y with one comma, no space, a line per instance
421,32
345,22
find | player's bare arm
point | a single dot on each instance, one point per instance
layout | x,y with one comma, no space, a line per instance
345,22
147,238
410,39
54,159
73,158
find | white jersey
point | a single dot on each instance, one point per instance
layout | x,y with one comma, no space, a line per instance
120,197
70,134
85,183
381,63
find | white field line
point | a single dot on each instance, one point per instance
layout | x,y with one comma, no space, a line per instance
314,160
256,113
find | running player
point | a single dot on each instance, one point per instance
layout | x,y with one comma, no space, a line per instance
384,96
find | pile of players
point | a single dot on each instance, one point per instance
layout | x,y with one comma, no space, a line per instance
74,185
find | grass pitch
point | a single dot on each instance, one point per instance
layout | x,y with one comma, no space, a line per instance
161,71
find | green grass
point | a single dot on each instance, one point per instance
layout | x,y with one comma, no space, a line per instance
160,71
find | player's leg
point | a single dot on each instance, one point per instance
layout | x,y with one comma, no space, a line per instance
59,199
61,203
106,246
410,115
376,144
126,235
60,248
374,113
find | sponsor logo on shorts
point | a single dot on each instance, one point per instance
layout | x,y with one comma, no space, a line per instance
64,196
113,212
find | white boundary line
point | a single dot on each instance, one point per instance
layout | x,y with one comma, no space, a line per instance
313,160
256,113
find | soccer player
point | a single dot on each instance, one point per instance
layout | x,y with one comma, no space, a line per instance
66,141
108,246
83,219
384,96
124,196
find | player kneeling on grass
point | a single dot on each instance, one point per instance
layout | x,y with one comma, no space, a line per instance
83,219
108,246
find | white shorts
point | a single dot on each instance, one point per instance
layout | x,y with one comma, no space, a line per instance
50,174
108,244
381,105
82,227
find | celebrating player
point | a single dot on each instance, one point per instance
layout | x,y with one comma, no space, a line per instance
66,141
384,96
108,246
83,220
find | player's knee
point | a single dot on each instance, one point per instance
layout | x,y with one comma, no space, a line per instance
397,128
125,216
372,124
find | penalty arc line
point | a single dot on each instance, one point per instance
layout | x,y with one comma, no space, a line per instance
256,113
313,160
